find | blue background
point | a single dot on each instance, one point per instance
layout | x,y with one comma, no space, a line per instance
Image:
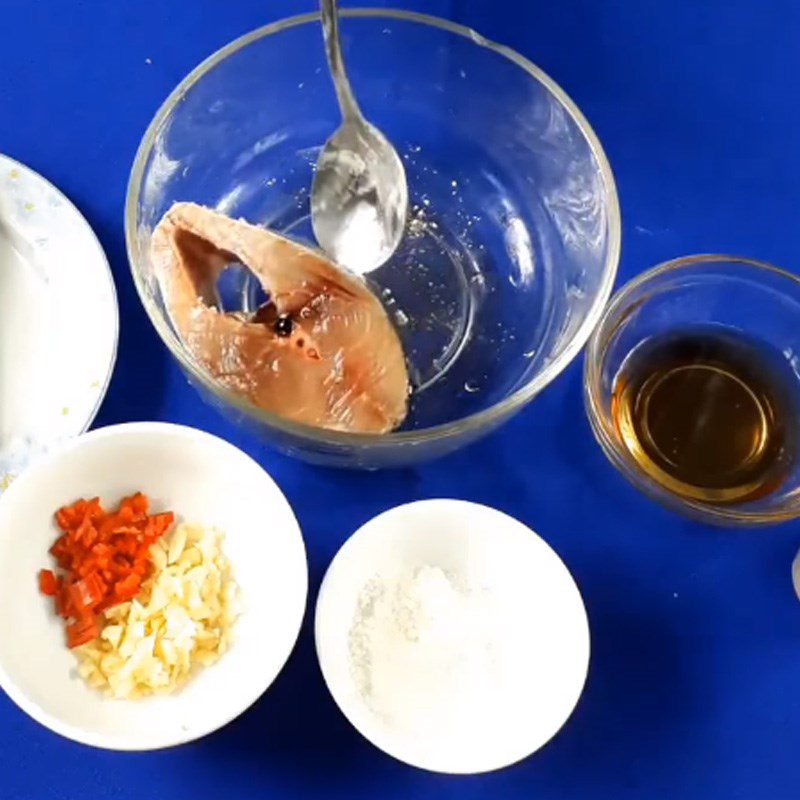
693,686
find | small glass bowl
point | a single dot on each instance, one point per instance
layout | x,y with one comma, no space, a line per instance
755,298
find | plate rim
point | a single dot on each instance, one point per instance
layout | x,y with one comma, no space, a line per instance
102,389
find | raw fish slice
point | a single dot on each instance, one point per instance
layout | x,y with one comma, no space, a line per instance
339,363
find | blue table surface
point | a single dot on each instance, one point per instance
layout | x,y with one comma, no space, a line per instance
693,685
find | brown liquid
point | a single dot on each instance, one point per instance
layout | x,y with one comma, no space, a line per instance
708,414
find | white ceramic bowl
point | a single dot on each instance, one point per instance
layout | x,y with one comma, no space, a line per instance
202,479
544,621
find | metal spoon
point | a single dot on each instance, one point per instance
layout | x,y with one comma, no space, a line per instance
359,196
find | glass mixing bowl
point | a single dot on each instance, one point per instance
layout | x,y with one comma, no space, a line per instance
513,234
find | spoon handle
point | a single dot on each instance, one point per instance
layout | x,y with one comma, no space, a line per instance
333,50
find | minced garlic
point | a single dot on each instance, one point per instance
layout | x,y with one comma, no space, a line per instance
182,618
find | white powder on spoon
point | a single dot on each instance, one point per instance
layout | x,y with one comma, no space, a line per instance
432,658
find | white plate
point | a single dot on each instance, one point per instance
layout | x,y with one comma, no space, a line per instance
545,622
58,319
202,479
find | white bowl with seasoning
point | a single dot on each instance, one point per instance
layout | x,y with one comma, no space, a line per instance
451,636
204,480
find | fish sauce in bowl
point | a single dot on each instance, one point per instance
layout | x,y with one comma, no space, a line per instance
710,414
692,388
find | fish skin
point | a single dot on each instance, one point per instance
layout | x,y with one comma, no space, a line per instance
342,367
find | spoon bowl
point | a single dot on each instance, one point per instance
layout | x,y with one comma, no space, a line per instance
359,197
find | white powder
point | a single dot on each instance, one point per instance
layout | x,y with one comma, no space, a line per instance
433,659
359,239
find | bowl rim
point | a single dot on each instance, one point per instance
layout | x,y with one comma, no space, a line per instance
480,420
612,317
98,740
376,526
